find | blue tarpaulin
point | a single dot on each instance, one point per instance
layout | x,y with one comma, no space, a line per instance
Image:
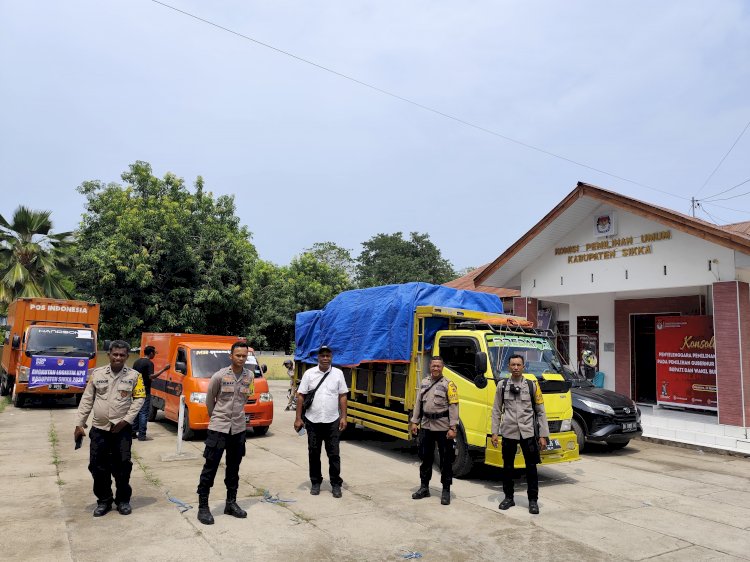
376,324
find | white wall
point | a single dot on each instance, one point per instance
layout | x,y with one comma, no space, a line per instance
685,256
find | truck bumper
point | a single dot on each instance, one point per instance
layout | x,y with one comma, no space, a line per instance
23,388
567,452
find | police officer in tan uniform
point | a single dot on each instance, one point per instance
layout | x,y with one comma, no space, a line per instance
115,394
436,408
226,397
513,418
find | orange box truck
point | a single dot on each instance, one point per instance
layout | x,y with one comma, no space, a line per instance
49,348
193,358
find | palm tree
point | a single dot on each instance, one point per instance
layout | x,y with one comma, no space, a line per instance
33,262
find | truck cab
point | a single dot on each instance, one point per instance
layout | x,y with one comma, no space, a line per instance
476,359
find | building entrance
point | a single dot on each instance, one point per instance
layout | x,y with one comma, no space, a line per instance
643,356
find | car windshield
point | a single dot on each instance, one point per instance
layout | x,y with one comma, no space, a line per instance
205,362
61,341
537,353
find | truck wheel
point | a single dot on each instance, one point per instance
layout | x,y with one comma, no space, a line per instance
462,463
260,430
79,397
4,385
18,399
580,436
152,413
187,433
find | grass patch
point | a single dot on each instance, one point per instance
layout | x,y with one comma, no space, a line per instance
4,401
150,476
54,441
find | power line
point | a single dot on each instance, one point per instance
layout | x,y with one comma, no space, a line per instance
417,104
722,160
728,190
726,208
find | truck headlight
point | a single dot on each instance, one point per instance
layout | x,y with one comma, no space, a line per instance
598,406
265,397
566,425
198,397
23,374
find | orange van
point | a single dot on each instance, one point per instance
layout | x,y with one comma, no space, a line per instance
49,348
193,358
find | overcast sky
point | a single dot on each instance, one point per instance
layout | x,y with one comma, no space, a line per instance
655,92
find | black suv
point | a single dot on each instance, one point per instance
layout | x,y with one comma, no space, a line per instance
602,415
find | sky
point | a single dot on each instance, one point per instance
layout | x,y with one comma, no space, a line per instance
651,92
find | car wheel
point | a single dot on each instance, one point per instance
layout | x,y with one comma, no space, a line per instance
260,430
187,433
617,446
580,436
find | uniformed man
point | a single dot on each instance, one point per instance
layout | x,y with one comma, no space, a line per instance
436,408
226,397
115,394
513,417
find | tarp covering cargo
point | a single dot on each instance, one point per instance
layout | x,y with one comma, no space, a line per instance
377,324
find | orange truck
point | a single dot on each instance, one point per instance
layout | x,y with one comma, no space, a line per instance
193,358
49,348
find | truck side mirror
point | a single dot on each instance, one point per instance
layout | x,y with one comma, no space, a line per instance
480,381
180,367
92,355
264,369
16,342
480,363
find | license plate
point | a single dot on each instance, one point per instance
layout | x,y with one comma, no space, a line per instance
58,387
552,444
630,426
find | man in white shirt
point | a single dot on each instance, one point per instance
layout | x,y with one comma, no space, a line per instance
324,419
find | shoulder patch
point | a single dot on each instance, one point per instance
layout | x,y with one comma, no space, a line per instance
139,391
538,396
452,393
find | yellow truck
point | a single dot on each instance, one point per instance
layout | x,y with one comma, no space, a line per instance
475,346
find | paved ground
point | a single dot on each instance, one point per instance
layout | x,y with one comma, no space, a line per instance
647,501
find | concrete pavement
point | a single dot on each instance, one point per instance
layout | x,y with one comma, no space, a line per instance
647,501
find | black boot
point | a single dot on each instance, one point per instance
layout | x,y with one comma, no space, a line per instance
423,492
204,513
445,498
232,508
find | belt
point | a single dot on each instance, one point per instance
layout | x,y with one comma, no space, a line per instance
435,416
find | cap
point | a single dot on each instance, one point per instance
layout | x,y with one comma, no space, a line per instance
324,348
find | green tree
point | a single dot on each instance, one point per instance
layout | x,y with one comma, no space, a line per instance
334,256
389,258
160,257
33,261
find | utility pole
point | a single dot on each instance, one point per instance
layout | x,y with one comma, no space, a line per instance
692,205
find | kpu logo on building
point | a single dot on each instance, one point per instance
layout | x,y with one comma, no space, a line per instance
605,225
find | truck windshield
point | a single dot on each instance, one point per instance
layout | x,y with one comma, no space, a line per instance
539,357
60,341
205,362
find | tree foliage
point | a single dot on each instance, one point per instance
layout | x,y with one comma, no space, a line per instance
389,258
33,261
160,257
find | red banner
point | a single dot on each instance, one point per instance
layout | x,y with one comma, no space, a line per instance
686,362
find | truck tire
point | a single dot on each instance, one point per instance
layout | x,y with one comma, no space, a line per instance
79,397
4,385
18,399
187,433
260,430
462,463
580,435
152,413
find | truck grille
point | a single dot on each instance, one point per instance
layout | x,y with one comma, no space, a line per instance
251,400
554,426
